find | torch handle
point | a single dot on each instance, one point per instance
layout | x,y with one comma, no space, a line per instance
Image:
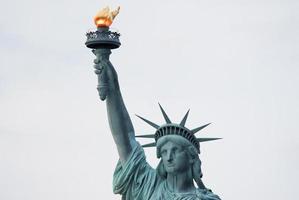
103,69
102,83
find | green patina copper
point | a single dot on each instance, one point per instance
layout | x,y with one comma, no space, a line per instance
177,148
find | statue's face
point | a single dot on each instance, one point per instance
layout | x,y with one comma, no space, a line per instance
174,158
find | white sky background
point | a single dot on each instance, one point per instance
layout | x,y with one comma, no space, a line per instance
234,63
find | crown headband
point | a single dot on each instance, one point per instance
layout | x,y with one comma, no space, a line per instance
174,129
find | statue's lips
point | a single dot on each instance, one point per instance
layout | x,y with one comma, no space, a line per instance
170,165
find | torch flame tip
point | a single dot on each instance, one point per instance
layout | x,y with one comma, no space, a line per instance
105,17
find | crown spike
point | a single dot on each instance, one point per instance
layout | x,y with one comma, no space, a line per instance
149,122
146,136
165,115
183,122
207,139
199,128
149,145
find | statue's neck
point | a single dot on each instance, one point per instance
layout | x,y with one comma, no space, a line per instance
180,182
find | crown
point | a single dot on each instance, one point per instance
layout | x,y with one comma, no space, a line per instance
175,129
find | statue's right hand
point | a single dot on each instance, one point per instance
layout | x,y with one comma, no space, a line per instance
107,76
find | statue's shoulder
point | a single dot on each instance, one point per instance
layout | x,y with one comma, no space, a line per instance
207,194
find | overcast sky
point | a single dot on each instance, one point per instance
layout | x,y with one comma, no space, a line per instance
233,63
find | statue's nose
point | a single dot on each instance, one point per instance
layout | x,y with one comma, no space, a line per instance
169,157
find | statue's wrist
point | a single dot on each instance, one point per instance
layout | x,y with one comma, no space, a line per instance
114,89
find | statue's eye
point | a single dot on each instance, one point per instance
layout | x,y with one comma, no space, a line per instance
163,152
175,149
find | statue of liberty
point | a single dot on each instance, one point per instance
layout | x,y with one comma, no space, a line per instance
176,146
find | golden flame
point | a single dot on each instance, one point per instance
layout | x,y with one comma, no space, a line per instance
104,17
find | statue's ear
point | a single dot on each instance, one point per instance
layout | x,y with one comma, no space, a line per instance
191,155
191,160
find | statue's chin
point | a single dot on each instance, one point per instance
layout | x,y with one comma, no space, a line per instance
170,169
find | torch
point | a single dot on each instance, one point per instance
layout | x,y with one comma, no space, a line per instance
101,41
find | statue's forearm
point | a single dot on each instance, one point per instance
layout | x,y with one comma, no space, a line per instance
119,120
120,124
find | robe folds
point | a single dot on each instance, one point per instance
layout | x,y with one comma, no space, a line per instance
137,180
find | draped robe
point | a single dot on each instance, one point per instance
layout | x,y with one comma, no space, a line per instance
137,180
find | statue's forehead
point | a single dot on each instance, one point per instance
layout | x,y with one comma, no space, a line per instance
169,144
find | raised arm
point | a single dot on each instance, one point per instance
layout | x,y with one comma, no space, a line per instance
119,120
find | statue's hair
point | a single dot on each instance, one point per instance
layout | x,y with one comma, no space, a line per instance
191,152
